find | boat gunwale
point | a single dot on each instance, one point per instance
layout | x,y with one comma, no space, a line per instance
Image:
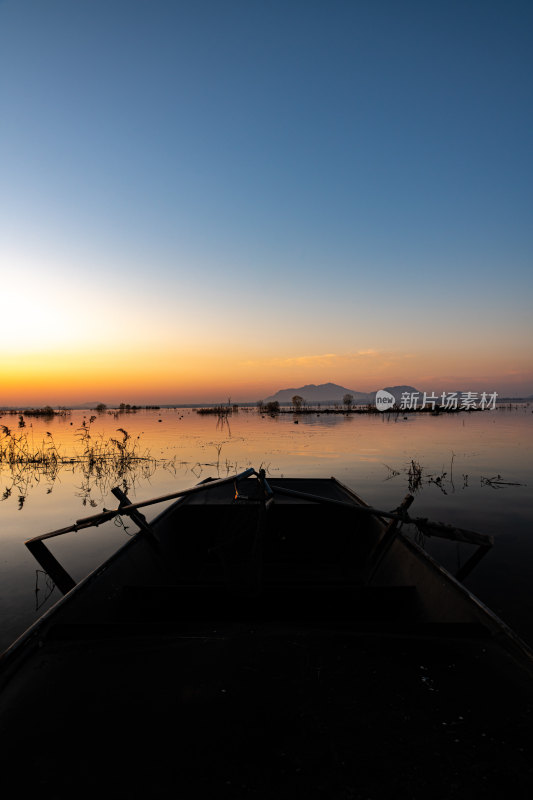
498,628
23,646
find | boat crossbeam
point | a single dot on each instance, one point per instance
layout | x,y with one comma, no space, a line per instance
266,499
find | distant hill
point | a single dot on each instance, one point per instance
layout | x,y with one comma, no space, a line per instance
332,393
311,393
397,391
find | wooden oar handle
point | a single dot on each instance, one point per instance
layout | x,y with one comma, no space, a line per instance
96,519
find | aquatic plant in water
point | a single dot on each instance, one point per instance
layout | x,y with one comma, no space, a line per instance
102,462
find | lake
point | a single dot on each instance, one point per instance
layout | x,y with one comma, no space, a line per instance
471,469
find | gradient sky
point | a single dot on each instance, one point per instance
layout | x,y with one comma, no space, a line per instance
223,198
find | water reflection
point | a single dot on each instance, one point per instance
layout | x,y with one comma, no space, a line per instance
98,462
446,453
44,588
459,467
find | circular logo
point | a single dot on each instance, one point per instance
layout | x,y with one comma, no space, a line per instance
384,400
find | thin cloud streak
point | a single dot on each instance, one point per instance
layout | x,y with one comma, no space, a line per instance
326,359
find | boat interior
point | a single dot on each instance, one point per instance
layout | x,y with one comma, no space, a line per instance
266,643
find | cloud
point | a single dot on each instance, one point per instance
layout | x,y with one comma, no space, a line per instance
323,359
295,361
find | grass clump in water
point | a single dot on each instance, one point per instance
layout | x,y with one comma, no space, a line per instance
102,461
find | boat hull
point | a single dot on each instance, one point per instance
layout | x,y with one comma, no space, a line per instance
239,652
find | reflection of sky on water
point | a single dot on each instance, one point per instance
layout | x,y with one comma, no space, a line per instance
371,454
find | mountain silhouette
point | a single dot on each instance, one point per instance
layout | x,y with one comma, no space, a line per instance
333,393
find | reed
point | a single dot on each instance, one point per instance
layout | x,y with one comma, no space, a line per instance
101,461
219,411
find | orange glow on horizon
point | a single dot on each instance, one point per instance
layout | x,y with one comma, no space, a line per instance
172,375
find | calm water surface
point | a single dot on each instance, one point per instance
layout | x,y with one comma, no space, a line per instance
459,454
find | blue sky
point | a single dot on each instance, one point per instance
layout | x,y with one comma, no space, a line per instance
292,170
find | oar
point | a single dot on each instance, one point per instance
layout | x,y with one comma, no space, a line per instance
106,515
427,527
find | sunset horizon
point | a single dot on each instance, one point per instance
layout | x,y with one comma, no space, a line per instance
202,206
255,392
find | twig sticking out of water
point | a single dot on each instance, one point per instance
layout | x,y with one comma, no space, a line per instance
392,472
48,589
498,481
414,476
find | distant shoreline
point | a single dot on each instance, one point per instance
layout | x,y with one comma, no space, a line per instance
312,408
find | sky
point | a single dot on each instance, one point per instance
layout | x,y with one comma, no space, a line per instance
222,198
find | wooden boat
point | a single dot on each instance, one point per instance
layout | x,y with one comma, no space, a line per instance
267,639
